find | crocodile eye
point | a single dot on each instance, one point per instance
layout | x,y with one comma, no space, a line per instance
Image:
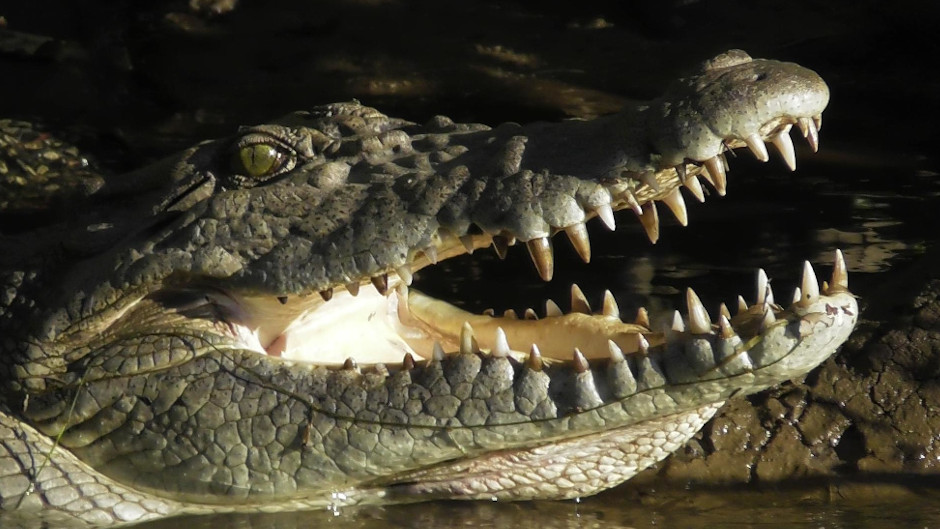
259,160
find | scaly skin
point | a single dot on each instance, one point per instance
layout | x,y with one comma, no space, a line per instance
176,349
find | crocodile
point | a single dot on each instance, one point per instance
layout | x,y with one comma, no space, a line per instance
234,327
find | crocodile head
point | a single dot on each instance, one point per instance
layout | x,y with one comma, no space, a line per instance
234,327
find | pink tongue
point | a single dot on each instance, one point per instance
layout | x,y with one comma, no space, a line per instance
277,347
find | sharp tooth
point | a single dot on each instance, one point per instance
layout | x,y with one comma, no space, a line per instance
761,287
610,306
695,187
677,324
724,328
500,345
716,170
467,242
756,145
677,205
818,121
530,315
699,321
643,346
784,144
840,276
808,128
650,221
540,250
606,213
404,272
809,285
326,294
468,343
489,312
578,235
797,295
408,362
723,311
501,246
437,352
770,295
633,203
552,309
642,318
616,353
742,305
510,314
282,300
580,363
431,253
769,318
650,180
534,360
380,283
579,303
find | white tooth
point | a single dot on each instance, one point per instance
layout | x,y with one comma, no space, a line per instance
552,309
578,235
438,352
840,276
579,302
616,353
610,309
643,346
404,272
489,312
742,305
785,145
769,299
761,287
606,213
716,171
650,221
808,128
723,311
695,187
756,145
530,315
580,362
699,321
769,317
632,202
468,343
810,284
676,204
534,360
797,295
510,314
642,318
818,121
677,324
724,327
501,345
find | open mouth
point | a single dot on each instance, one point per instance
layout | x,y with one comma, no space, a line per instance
380,320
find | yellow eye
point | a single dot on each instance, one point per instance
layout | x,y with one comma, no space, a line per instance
258,160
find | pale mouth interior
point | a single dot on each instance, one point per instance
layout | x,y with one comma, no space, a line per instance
372,328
